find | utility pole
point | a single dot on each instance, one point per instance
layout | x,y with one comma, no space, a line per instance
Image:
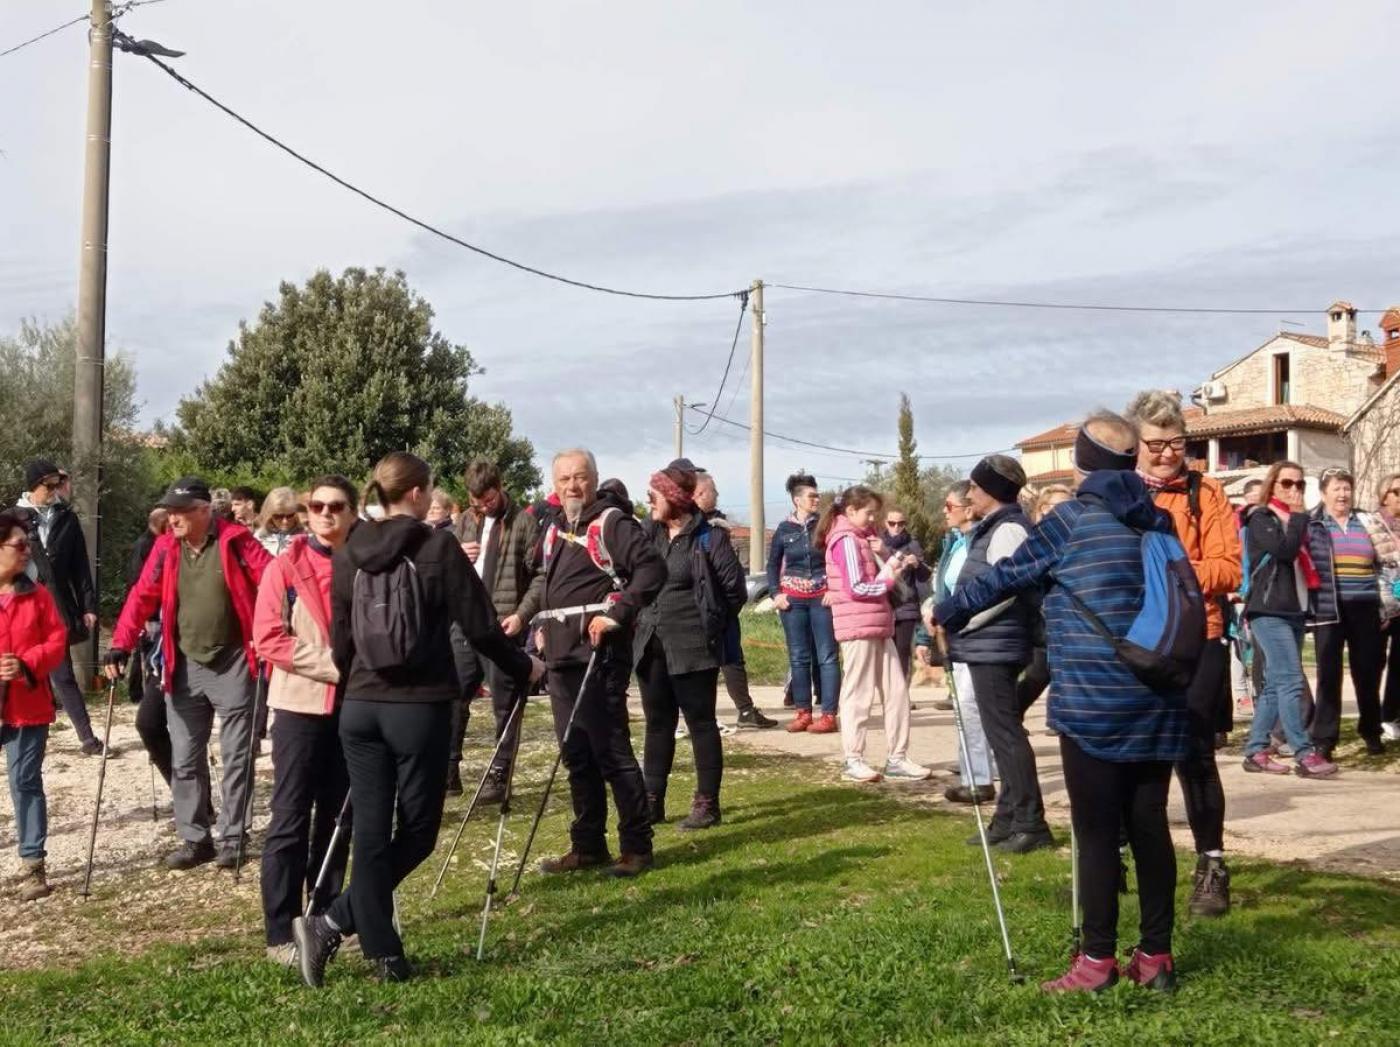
758,552
680,425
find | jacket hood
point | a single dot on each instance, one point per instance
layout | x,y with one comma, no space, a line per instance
374,547
1127,498
607,498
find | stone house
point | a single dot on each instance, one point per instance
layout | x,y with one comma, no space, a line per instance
1374,428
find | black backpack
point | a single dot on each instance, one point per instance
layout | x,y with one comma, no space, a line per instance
387,617
709,594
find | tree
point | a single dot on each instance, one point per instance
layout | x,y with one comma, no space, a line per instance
906,478
36,402
334,376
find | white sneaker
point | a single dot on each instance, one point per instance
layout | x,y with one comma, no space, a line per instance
859,771
903,769
726,729
1391,731
681,732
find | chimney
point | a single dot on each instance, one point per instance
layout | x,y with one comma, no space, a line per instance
1341,324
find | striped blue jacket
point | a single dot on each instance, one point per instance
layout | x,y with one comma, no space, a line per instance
1091,545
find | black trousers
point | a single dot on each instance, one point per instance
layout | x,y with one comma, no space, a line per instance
151,724
307,793
665,698
1198,774
904,644
599,754
1390,704
1358,631
1019,804
471,673
501,688
1106,798
1033,681
396,755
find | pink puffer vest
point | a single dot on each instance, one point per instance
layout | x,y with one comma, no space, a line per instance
856,617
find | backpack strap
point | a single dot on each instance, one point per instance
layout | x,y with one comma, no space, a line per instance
1193,495
593,540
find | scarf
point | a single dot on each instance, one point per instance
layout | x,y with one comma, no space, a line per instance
1304,559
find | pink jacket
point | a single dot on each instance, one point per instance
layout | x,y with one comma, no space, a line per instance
858,594
292,630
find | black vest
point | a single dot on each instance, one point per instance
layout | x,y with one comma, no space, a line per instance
1006,639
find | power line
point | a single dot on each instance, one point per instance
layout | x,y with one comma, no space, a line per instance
999,303
420,223
714,404
42,36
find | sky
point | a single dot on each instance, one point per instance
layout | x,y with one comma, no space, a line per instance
1239,155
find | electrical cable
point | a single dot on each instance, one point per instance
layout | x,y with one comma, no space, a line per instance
42,36
714,404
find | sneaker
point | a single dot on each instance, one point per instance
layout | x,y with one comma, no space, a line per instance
227,857
1085,974
392,969
1263,762
629,866
454,779
283,955
727,729
1375,747
902,769
1390,731
1025,842
656,808
1152,971
704,813
962,794
1245,707
493,790
681,731
573,862
1315,765
823,724
188,855
859,771
800,722
1210,893
996,833
316,943
751,717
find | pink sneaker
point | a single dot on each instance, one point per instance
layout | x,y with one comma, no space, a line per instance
1085,975
1263,762
1152,972
1315,765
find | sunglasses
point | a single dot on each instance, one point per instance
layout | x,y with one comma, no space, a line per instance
895,523
1176,443
334,508
284,517
1289,485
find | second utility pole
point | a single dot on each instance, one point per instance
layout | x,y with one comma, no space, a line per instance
680,425
758,534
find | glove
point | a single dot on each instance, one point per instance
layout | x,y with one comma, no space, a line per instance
114,662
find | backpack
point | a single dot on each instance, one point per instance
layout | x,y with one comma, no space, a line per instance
709,600
592,540
387,617
1165,640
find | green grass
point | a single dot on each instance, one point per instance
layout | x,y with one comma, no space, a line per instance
817,913
765,650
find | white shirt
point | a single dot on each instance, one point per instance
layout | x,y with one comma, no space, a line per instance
488,523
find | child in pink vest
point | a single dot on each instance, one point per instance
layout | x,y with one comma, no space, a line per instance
858,592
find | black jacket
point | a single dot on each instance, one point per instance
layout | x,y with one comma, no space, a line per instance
1271,550
1006,638
452,592
63,566
571,579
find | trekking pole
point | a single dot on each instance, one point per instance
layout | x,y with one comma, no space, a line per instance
152,764
1015,975
554,772
516,715
1076,928
496,854
326,862
259,692
101,780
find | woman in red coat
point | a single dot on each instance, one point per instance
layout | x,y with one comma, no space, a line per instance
33,639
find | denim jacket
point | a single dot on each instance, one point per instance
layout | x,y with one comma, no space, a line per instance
795,565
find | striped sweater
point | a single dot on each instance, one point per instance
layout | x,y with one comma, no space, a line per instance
1353,560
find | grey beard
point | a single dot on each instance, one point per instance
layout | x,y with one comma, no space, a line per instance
573,509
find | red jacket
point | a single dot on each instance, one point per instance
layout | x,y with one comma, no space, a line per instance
243,559
32,630
292,630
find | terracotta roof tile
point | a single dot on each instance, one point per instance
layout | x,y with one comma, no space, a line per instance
1061,434
1264,420
1053,476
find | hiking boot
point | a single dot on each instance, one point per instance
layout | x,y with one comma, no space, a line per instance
751,717
34,885
392,969
316,943
996,833
1210,895
800,722
656,808
1315,765
283,955
857,770
1263,762
1152,971
493,790
704,813
1375,747
1025,842
962,794
227,858
1085,975
454,780
188,855
823,724
573,862
629,866
903,769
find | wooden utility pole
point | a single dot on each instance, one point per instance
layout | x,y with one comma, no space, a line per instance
92,290
680,425
758,551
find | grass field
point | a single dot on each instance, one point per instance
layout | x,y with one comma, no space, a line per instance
765,651
817,913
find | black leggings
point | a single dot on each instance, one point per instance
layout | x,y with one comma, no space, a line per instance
1105,798
1197,772
664,699
151,724
1358,629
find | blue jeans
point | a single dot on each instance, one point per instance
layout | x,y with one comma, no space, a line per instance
24,760
811,638
1280,700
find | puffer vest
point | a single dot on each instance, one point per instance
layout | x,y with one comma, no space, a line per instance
1006,639
855,617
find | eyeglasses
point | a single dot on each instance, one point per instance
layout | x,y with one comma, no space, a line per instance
952,507
1289,485
895,523
285,517
21,544
52,485
334,508
1176,443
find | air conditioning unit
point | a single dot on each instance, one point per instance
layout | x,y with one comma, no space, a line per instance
1215,392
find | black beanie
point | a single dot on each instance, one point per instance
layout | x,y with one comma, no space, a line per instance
1002,488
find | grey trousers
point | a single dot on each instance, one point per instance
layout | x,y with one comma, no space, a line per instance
201,691
70,696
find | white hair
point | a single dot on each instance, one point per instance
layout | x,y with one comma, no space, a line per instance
575,452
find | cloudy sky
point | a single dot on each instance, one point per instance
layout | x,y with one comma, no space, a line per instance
1208,155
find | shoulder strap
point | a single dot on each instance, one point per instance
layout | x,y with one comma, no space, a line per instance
1193,493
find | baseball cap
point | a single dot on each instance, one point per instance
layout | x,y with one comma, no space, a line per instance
185,492
38,469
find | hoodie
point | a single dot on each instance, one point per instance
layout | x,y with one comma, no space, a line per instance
59,561
1092,545
452,592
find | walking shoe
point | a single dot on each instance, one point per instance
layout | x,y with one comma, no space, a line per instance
1390,731
34,885
859,771
800,722
1375,747
1210,895
1085,974
227,857
1315,765
494,789
573,862
902,769
656,808
1024,843
454,779
1152,971
751,717
188,855
392,969
91,747
1244,706
1263,762
681,731
996,833
704,813
823,724
629,866
317,943
283,955
962,794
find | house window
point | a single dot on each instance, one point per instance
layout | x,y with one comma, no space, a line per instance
1282,380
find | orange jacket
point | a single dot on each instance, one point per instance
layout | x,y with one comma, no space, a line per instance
1212,542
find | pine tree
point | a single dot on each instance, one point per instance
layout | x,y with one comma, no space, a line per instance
907,479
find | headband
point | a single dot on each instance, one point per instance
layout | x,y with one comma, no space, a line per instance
673,492
1001,488
1090,456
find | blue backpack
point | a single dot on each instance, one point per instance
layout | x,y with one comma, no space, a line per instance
1166,638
